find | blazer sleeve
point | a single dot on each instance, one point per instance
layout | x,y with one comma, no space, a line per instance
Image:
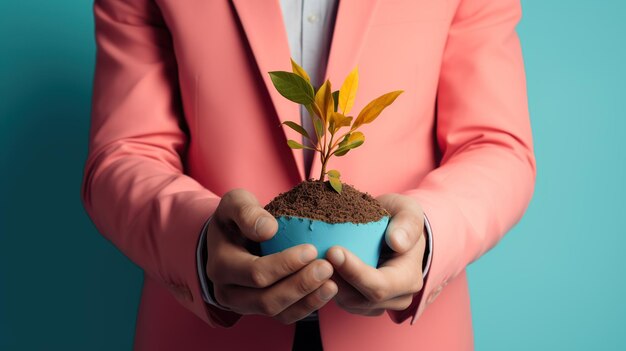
486,176
134,187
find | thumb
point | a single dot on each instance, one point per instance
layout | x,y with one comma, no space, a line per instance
403,231
241,208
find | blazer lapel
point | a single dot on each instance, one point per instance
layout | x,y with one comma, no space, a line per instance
263,24
351,24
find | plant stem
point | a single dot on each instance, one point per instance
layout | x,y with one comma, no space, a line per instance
339,140
326,156
323,173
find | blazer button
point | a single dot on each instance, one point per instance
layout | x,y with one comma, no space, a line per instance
433,295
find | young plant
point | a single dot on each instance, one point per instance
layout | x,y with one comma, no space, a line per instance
329,111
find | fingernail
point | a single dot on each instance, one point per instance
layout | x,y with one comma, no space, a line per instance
336,257
326,294
307,255
261,225
323,272
401,237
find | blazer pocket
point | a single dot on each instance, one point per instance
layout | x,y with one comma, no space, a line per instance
402,11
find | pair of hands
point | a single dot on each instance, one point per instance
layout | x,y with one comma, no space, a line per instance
292,284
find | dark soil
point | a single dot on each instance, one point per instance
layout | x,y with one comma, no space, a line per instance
317,200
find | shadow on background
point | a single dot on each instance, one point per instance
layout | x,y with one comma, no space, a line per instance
554,283
62,285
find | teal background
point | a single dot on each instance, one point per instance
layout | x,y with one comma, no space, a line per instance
554,283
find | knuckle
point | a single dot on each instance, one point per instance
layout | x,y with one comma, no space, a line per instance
213,271
377,312
282,319
244,212
414,223
268,307
229,196
352,275
405,303
342,303
288,265
352,302
220,296
378,294
303,286
310,304
418,285
258,277
236,193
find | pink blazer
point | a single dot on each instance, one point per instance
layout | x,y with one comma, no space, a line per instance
184,110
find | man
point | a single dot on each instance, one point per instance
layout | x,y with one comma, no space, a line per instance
185,128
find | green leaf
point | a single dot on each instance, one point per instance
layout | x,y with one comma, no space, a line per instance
341,152
296,145
298,128
354,140
293,87
333,179
335,184
333,173
341,146
347,93
374,108
336,99
345,140
299,71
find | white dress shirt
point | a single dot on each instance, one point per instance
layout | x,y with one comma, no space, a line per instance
309,26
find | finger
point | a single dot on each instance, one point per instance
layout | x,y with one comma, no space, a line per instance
312,302
395,203
398,276
275,299
241,208
407,221
405,271
366,279
232,264
408,261
368,313
350,299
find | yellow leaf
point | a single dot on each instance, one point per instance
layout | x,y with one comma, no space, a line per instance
356,137
374,108
295,68
324,100
353,140
347,93
338,120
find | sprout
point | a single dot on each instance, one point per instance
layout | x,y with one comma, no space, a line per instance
329,111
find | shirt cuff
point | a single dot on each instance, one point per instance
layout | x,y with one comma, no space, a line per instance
428,254
201,258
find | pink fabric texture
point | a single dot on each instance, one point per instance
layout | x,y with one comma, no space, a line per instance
184,111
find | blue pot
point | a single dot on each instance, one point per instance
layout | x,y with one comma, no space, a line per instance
363,239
